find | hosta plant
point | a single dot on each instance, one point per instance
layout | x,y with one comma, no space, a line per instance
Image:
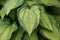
29,19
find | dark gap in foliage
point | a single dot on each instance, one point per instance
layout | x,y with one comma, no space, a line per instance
58,0
1,7
13,34
44,28
9,18
40,37
16,18
52,10
24,35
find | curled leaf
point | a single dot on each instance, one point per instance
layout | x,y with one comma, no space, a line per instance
9,5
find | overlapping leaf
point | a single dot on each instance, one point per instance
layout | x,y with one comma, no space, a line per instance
47,21
30,13
32,37
17,35
55,3
10,4
6,29
58,22
51,35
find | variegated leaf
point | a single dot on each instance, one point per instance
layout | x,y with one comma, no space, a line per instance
29,19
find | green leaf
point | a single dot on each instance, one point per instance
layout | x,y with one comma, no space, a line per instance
39,1
51,35
55,3
57,17
9,5
6,31
18,34
31,2
29,18
33,36
47,21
